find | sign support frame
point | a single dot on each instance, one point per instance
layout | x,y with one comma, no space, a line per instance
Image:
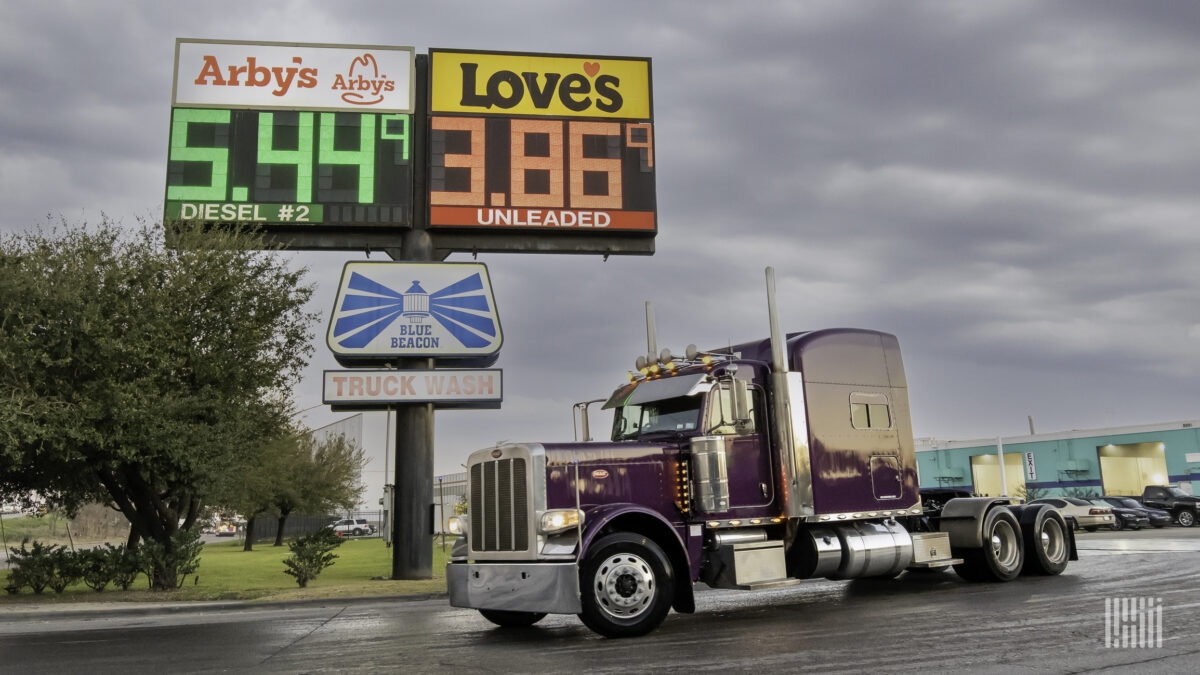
412,496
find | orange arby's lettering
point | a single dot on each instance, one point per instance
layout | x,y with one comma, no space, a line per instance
257,76
355,84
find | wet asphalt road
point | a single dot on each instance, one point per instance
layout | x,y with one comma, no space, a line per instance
917,623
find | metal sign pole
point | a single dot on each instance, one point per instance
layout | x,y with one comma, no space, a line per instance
412,496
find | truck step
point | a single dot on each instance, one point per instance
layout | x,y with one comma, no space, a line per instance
774,583
934,564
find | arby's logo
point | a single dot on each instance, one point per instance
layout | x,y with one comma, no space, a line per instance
363,82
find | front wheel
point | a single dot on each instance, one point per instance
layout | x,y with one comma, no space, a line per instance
626,585
506,619
1187,518
1117,525
1002,554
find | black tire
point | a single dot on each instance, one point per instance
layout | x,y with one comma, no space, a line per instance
1117,525
626,584
1003,551
1047,542
357,532
507,619
1186,518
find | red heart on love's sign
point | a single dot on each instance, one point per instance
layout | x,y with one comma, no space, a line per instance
591,68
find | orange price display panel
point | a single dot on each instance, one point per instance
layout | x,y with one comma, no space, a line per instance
510,172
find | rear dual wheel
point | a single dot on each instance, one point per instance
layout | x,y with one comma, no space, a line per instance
1002,554
1047,541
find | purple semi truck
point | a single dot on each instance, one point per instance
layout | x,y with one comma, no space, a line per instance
755,466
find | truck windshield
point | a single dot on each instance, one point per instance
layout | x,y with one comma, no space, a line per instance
674,414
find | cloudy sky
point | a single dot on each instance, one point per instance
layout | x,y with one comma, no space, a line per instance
1009,187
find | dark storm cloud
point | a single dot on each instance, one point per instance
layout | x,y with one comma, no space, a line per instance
1007,186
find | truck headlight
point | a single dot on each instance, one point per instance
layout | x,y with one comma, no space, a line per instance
456,525
557,520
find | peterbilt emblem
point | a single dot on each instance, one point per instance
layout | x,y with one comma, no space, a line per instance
599,474
497,453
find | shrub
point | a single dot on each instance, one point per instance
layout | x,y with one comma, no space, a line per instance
32,567
96,568
167,567
66,567
126,565
311,554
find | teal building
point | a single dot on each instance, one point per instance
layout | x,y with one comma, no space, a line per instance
1089,462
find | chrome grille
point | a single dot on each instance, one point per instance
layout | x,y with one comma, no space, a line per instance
500,505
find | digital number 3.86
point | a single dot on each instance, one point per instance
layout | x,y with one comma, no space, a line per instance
587,176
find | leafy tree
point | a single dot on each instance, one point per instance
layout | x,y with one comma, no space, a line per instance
292,474
327,475
136,374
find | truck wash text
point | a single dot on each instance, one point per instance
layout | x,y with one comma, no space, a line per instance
404,385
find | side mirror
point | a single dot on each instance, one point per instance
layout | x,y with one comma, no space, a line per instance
739,394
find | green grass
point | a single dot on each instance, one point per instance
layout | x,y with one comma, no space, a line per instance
48,529
228,573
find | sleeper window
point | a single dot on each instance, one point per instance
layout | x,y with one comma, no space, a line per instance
870,411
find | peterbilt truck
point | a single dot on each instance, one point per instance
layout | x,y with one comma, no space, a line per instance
755,466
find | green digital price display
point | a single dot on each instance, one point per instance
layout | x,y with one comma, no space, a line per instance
290,168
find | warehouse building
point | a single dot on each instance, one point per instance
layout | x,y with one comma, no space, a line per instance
1114,461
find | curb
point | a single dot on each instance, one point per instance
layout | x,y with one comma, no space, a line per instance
99,609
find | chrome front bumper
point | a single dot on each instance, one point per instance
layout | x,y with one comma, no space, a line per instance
552,588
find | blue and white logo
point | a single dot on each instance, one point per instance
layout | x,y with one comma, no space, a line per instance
390,309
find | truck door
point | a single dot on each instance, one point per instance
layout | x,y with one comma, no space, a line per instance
748,461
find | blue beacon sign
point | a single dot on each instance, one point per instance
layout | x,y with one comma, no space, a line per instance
386,310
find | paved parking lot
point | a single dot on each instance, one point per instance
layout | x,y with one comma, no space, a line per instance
916,623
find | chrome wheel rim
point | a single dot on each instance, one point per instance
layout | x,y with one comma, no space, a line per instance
1054,541
1005,548
624,585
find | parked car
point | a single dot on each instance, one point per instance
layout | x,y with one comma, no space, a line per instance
1083,513
352,526
1123,517
1183,507
1157,517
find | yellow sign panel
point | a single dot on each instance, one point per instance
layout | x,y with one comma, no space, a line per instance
502,83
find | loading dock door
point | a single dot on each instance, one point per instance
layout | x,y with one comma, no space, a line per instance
985,473
1126,469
